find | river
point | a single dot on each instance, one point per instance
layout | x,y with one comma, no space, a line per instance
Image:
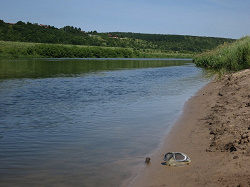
87,122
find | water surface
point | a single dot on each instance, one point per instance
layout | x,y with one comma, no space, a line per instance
75,122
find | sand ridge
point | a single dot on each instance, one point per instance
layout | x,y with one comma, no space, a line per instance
214,131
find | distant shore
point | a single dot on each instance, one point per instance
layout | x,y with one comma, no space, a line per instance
214,131
10,49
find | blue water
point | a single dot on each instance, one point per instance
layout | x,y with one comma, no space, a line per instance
88,128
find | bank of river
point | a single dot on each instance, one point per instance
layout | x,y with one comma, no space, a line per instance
214,132
75,122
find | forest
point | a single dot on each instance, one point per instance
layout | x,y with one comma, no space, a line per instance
37,33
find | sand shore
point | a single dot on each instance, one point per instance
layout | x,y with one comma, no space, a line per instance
214,132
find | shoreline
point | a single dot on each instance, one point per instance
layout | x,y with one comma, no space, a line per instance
29,50
214,131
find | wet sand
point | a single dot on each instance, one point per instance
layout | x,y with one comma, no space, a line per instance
214,131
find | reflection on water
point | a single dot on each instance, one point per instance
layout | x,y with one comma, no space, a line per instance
82,122
38,68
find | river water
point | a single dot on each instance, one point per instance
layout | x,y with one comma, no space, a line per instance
87,122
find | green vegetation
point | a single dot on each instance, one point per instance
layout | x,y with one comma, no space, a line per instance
227,57
33,50
34,40
38,50
181,43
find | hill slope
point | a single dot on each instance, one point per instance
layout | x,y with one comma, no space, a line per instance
28,32
176,42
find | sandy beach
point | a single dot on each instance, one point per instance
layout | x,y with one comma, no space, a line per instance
214,131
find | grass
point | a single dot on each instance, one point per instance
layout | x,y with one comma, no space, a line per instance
37,50
227,57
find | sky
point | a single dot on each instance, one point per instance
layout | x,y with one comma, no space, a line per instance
215,18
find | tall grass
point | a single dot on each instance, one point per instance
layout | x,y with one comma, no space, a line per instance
227,57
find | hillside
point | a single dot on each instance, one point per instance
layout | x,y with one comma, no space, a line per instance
176,42
37,33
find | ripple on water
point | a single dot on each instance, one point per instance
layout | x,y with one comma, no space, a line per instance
83,128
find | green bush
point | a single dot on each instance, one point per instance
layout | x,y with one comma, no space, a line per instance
63,51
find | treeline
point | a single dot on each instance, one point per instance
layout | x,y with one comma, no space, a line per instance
36,33
61,51
227,57
28,32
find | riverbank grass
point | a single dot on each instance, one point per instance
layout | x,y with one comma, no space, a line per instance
227,57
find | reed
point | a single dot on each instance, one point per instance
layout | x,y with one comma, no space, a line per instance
228,57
